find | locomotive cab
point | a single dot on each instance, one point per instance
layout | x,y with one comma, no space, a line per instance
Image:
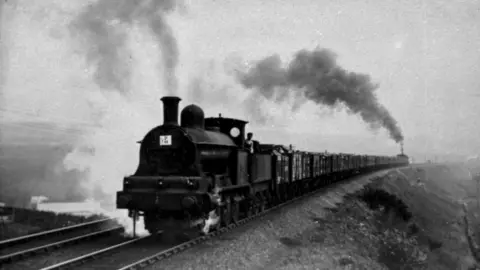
234,128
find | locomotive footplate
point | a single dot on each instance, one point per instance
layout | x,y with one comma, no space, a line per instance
145,201
136,200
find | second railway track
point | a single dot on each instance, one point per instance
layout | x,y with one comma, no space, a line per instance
21,248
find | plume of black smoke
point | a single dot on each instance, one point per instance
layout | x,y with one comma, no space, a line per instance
104,24
319,78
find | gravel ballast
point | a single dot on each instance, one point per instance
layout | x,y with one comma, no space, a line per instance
279,240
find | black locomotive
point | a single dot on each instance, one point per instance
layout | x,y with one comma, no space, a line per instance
201,169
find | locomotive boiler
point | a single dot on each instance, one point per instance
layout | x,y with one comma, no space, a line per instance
181,169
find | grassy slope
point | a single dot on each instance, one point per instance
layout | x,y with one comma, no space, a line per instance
436,210
392,223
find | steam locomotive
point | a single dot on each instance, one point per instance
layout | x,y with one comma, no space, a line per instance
200,170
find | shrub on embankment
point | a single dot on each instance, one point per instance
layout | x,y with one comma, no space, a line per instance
399,244
425,215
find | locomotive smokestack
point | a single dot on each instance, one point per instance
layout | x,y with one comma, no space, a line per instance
170,110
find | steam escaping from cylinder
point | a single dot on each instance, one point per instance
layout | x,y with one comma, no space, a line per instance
316,76
127,223
210,222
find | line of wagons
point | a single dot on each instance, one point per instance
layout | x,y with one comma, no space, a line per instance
278,174
190,169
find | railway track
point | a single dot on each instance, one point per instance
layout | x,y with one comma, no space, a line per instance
21,248
125,256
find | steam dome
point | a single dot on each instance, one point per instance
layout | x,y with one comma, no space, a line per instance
192,116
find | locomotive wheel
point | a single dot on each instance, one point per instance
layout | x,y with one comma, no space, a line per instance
291,192
264,202
275,200
285,195
251,209
271,201
261,206
255,209
258,201
235,211
151,223
245,208
226,213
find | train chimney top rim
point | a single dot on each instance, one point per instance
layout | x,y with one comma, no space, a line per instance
167,98
170,110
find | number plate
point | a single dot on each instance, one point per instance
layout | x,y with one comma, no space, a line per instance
165,140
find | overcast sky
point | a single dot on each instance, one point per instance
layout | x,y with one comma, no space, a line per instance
424,54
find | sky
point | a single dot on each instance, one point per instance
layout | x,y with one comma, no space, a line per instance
425,55
57,66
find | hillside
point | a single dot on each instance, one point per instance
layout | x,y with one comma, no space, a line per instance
433,196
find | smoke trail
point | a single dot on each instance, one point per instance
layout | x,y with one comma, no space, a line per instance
105,24
319,79
115,45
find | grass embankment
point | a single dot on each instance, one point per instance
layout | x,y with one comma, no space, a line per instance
28,221
418,216
369,230
412,218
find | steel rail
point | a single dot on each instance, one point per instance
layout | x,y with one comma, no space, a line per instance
9,258
84,258
50,233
